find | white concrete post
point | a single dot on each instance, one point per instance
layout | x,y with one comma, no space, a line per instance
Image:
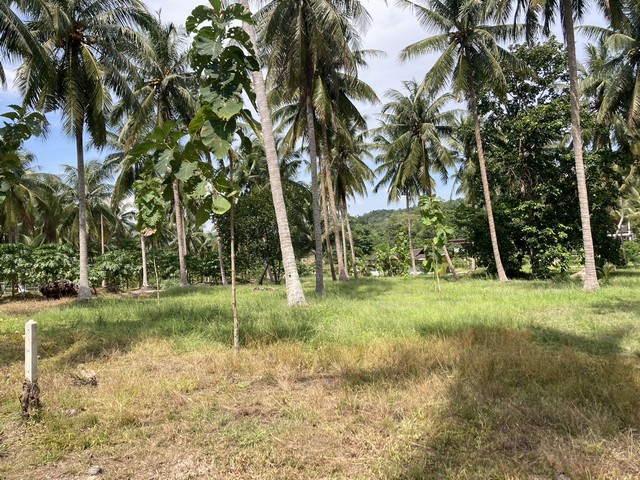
30,399
31,351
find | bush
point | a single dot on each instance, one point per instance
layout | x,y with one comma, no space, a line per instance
632,251
52,262
15,264
118,268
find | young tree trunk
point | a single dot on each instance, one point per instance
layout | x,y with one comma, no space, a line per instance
325,218
313,153
295,294
413,258
223,275
450,264
143,249
84,290
353,253
591,277
485,186
342,272
184,280
234,302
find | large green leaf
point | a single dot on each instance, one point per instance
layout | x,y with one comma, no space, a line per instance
220,205
208,47
217,138
163,161
187,169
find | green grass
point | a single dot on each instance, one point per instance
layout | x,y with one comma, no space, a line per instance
380,378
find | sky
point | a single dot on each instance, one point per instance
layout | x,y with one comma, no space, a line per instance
392,28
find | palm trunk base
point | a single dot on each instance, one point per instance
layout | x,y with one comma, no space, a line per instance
84,294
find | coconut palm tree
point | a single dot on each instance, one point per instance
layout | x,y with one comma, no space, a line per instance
23,199
164,91
295,294
471,60
569,11
352,174
89,45
100,214
297,38
413,127
336,91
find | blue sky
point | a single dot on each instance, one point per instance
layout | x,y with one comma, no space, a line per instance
392,28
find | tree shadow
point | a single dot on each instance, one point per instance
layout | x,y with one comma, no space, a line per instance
608,342
99,328
616,305
514,408
361,289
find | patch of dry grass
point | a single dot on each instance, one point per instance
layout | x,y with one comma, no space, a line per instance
482,404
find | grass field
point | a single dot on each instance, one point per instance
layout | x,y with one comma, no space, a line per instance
381,378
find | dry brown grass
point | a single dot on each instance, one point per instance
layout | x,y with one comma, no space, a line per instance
479,404
16,306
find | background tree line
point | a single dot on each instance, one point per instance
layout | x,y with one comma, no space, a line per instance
546,170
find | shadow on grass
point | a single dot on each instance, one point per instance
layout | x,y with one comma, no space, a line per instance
605,307
514,408
606,343
99,328
361,289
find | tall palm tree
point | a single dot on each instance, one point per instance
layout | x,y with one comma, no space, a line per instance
99,211
164,90
413,127
568,9
295,294
298,37
90,45
23,199
471,60
336,90
352,174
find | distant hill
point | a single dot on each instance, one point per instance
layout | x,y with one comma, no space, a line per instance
386,225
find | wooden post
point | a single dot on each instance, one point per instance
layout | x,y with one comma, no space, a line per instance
30,399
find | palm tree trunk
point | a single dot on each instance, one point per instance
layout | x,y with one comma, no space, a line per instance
485,186
295,294
313,153
143,249
184,281
102,234
353,253
342,272
84,290
223,275
591,277
234,299
344,243
327,239
413,258
104,280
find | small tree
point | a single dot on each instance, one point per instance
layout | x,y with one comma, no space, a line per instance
433,218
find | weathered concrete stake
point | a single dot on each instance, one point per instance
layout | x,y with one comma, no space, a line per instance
30,399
